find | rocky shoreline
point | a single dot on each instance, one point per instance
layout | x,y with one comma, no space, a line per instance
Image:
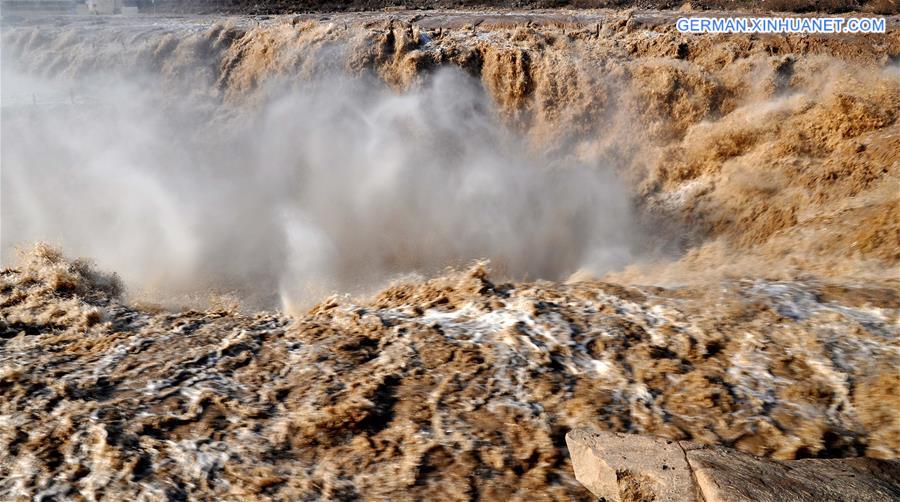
631,468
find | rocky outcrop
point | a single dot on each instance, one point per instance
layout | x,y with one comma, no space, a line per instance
724,475
624,467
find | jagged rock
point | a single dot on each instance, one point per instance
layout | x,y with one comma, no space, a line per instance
624,468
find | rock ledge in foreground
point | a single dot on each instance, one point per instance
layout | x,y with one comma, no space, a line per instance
629,468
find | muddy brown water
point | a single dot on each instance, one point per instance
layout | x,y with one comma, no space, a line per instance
759,309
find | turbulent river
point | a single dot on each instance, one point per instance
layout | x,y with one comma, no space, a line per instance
395,255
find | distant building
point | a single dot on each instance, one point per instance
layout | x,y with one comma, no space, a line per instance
104,6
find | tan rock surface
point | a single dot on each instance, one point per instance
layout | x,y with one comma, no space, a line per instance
626,467
724,475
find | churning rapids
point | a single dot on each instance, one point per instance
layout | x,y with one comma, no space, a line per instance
399,256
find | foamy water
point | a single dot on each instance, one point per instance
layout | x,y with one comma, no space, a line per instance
284,160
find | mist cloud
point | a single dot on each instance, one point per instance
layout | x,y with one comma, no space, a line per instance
336,184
